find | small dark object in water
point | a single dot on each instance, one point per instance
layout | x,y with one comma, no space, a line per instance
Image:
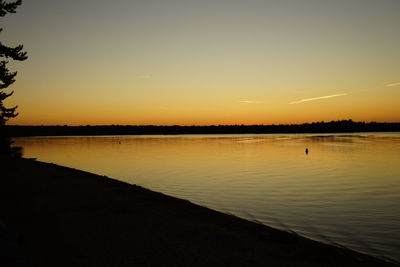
306,151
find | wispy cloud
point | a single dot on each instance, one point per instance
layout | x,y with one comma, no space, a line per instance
393,84
249,101
316,98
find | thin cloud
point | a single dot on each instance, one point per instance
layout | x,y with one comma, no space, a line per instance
249,102
316,98
393,84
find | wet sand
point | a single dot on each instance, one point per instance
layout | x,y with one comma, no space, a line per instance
57,216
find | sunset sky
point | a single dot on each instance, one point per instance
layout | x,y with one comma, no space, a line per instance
205,62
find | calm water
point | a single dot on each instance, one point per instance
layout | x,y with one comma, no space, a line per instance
345,191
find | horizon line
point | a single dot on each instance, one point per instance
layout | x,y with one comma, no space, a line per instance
207,125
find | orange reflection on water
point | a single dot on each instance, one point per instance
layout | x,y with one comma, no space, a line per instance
346,190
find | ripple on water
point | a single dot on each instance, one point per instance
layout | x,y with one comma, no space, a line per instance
345,191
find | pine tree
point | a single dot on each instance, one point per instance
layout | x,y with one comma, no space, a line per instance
7,78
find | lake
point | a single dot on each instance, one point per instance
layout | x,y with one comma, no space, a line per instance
345,191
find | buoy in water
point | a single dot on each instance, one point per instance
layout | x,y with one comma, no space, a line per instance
306,151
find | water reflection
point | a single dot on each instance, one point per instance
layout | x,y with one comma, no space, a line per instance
345,191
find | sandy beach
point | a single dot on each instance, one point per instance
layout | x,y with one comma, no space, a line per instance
57,216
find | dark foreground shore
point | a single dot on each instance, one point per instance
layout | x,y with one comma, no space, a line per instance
56,216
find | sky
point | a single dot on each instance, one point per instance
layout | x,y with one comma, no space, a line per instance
191,62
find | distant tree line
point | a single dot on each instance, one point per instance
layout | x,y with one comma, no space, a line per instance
343,126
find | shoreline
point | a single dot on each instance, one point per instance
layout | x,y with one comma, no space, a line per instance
343,126
59,216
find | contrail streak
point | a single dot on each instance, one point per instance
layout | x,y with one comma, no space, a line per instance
249,102
316,98
393,84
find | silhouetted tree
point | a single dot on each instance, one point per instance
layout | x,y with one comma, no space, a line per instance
7,78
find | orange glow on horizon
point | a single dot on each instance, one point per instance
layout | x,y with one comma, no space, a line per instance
280,63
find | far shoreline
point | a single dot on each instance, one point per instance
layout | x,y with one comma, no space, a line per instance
333,127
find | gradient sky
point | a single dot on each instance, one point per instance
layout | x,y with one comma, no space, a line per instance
205,62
